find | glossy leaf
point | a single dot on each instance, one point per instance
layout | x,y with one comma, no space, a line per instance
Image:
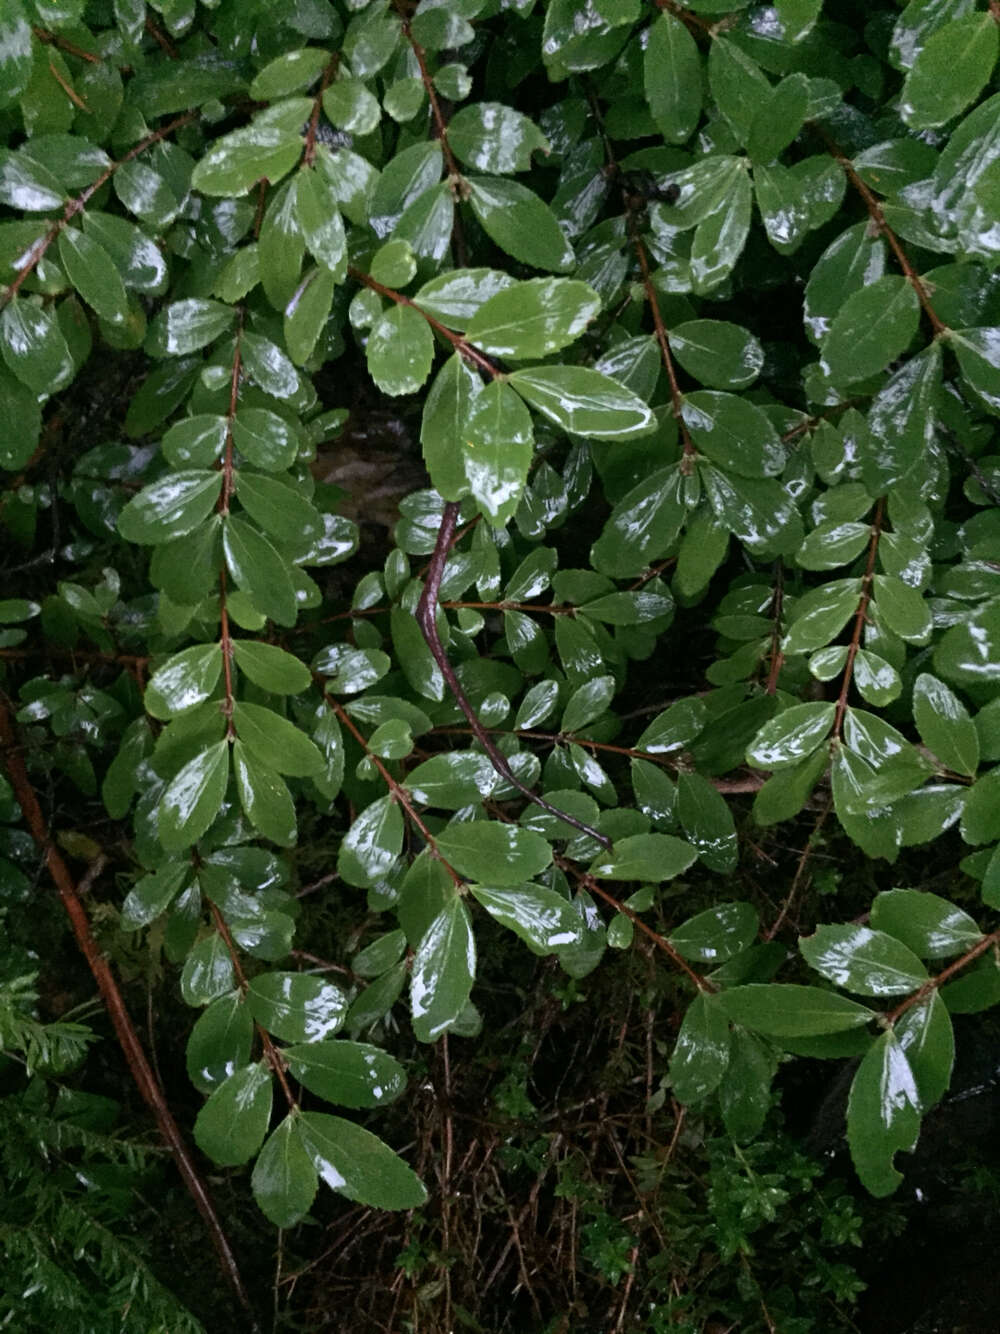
231,1126
701,1052
873,326
520,223
672,78
950,71
284,1180
649,857
444,967
784,1010
488,136
356,1163
867,962
883,1114
584,402
715,935
350,1074
944,725
192,799
372,843
494,853
929,925
791,736
542,918
186,679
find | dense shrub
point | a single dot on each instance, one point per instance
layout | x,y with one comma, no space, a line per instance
694,312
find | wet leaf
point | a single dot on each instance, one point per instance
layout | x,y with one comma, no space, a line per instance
950,71
649,857
873,326
867,962
444,968
356,1163
784,1010
929,925
883,1114
584,402
231,1126
350,1074
717,934
494,853
284,1180
520,223
672,78
192,799
488,136
791,736
944,725
701,1053
541,917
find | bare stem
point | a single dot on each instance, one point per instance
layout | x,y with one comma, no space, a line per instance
860,617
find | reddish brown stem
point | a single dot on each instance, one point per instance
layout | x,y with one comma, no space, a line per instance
128,1039
78,204
440,124
860,617
878,218
934,983
660,329
777,657
427,620
309,152
161,39
63,44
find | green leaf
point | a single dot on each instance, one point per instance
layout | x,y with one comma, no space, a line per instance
978,354
494,853
520,224
541,917
284,1180
350,106
171,507
584,402
192,799
488,136
268,367
851,262
672,78
400,351
969,653
230,1128
782,1010
738,85
733,433
981,813
455,297
350,1074
587,702
791,737
383,953
92,272
33,346
643,525
926,1036
320,222
649,857
950,71
153,894
883,1114
944,725
186,679
265,439
297,1007
444,967
707,820
442,433
276,741
195,442
185,326
278,508
877,681
532,319
717,353
872,327
831,545
901,420
208,971
264,796
870,963
20,422
372,843
307,312
903,609
673,729
27,185
717,934
356,1163
701,1052
258,569
220,1042
414,657
451,781
720,237
757,511
745,1091
779,118
267,148
496,450
784,206
271,668
820,616
930,926
15,52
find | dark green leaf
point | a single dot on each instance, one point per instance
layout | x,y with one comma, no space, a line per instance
883,1114
649,857
358,1164
930,926
872,327
717,934
540,916
944,725
231,1126
701,1052
284,1180
444,967
348,1073
488,136
781,1010
867,962
520,223
672,78
258,569
950,71
707,821
494,853
264,796
192,799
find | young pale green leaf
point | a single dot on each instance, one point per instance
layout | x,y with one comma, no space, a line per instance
929,925
356,1163
733,433
400,351
264,796
944,725
270,667
520,223
950,71
284,1180
792,736
186,679
584,402
444,967
490,137
867,962
192,799
297,1007
372,843
872,327
494,853
649,857
717,934
707,821
92,272
883,1114
350,1074
783,1010
532,319
541,917
230,1128
672,78
701,1052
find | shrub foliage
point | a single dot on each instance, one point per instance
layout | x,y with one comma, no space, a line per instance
694,311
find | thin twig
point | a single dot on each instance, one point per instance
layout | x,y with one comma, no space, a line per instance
860,616
128,1039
